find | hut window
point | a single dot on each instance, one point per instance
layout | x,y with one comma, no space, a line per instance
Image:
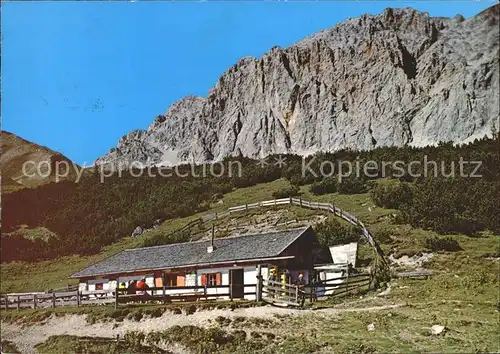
211,279
99,286
171,280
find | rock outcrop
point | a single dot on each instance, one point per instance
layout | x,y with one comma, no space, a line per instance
401,77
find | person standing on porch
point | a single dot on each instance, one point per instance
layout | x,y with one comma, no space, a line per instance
141,285
131,288
300,282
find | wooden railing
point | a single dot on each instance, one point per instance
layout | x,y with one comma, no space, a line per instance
290,294
329,207
120,296
337,286
275,291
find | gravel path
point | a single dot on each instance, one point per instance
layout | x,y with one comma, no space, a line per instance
27,337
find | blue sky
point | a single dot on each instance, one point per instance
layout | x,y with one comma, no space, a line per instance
76,76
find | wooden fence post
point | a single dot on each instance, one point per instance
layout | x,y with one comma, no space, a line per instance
18,302
347,282
6,302
258,287
34,301
246,205
116,298
78,298
53,300
205,292
164,291
300,201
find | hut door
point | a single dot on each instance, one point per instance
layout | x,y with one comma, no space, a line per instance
236,281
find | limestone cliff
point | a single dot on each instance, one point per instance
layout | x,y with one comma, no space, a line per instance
401,77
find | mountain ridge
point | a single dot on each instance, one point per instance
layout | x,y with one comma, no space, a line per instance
397,78
16,151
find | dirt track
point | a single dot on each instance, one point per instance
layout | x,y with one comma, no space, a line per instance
26,338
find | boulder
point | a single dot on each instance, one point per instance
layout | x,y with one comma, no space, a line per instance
137,232
437,329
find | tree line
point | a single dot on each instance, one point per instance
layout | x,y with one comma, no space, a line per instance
89,215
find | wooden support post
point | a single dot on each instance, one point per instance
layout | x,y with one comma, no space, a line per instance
34,301
230,286
347,282
164,290
116,298
258,287
6,302
205,292
78,298
18,302
53,300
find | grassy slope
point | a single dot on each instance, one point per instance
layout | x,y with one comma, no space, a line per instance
40,276
20,276
462,295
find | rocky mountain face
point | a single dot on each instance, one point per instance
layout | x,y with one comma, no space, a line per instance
397,78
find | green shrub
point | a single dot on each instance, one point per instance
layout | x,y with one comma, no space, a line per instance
189,310
358,348
176,311
297,345
442,244
255,334
223,321
291,191
325,186
391,195
216,197
352,185
383,236
136,316
331,232
158,312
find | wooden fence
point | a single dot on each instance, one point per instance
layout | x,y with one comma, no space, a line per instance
329,207
338,286
276,292
120,296
269,291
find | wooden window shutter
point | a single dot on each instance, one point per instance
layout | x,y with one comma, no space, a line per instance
203,279
218,279
158,281
180,280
